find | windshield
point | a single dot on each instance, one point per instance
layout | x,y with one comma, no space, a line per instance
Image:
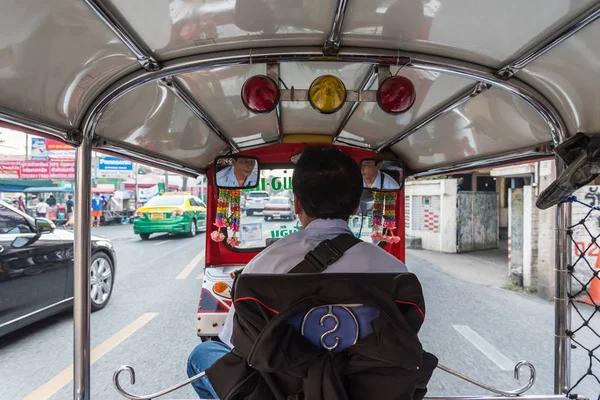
259,222
159,201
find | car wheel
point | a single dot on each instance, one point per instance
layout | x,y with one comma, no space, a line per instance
266,218
145,236
101,280
193,229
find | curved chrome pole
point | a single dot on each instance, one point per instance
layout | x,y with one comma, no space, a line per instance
516,392
131,396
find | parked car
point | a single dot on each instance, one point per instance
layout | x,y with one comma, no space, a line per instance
255,202
171,212
279,208
36,269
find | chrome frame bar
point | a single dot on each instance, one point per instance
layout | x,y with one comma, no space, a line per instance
529,154
178,89
435,113
65,135
81,278
332,44
273,73
366,84
512,68
568,30
368,56
143,56
562,309
122,149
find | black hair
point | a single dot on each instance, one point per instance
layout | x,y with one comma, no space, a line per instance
328,183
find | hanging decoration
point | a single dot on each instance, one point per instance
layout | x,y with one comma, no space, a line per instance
384,217
228,216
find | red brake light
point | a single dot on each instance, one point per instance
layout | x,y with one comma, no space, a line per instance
260,94
396,95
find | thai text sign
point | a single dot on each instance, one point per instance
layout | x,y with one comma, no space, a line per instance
31,170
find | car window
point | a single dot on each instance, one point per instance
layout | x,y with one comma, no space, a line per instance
258,195
198,202
12,223
165,201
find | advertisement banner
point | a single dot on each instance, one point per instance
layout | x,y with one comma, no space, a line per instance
114,167
37,170
38,149
10,169
59,151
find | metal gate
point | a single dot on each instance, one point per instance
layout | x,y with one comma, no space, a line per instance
477,225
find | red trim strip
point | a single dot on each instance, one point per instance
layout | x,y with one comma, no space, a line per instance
412,304
259,302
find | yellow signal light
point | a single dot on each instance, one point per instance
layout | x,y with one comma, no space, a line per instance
327,94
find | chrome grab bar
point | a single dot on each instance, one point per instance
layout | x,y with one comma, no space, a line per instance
516,392
502,394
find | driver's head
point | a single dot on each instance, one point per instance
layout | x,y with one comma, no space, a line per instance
369,169
243,166
327,183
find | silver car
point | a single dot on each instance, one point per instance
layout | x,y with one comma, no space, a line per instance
255,202
279,208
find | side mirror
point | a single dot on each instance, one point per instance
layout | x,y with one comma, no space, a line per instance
43,225
236,172
382,175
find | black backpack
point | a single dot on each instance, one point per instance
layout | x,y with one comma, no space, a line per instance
313,336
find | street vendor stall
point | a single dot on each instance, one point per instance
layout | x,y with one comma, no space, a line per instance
58,212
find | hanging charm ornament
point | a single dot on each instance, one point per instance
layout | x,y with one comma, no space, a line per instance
384,217
228,216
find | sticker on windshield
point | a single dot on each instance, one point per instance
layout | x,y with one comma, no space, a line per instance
251,232
283,231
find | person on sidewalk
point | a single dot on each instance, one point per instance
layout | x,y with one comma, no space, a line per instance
41,209
70,205
97,205
327,186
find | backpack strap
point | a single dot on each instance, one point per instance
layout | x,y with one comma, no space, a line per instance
326,253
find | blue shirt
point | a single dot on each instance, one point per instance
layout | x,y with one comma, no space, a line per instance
97,203
388,182
286,253
226,177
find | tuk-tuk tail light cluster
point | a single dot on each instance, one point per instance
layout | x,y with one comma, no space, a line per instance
327,94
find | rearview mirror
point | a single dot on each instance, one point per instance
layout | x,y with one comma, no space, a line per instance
382,175
43,225
236,172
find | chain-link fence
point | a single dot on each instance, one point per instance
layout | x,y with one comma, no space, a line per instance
584,296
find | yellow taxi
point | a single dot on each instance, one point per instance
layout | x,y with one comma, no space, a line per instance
172,212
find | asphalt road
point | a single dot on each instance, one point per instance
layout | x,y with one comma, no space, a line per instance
150,324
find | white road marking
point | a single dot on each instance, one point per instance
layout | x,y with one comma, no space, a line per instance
201,276
60,380
188,268
159,243
485,347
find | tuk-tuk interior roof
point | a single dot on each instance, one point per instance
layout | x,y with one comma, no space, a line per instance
160,80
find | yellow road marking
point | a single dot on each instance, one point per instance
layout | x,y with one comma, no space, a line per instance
59,381
188,268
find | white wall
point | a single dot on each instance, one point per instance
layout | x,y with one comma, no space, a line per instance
442,238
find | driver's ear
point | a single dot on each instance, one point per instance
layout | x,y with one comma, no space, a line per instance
297,206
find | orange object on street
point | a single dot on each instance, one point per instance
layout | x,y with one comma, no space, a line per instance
593,297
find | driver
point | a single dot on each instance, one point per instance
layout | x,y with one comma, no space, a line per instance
240,174
373,178
327,187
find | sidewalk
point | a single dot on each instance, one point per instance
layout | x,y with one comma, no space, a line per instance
488,267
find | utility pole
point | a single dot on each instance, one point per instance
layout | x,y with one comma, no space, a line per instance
166,181
135,165
185,183
27,147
